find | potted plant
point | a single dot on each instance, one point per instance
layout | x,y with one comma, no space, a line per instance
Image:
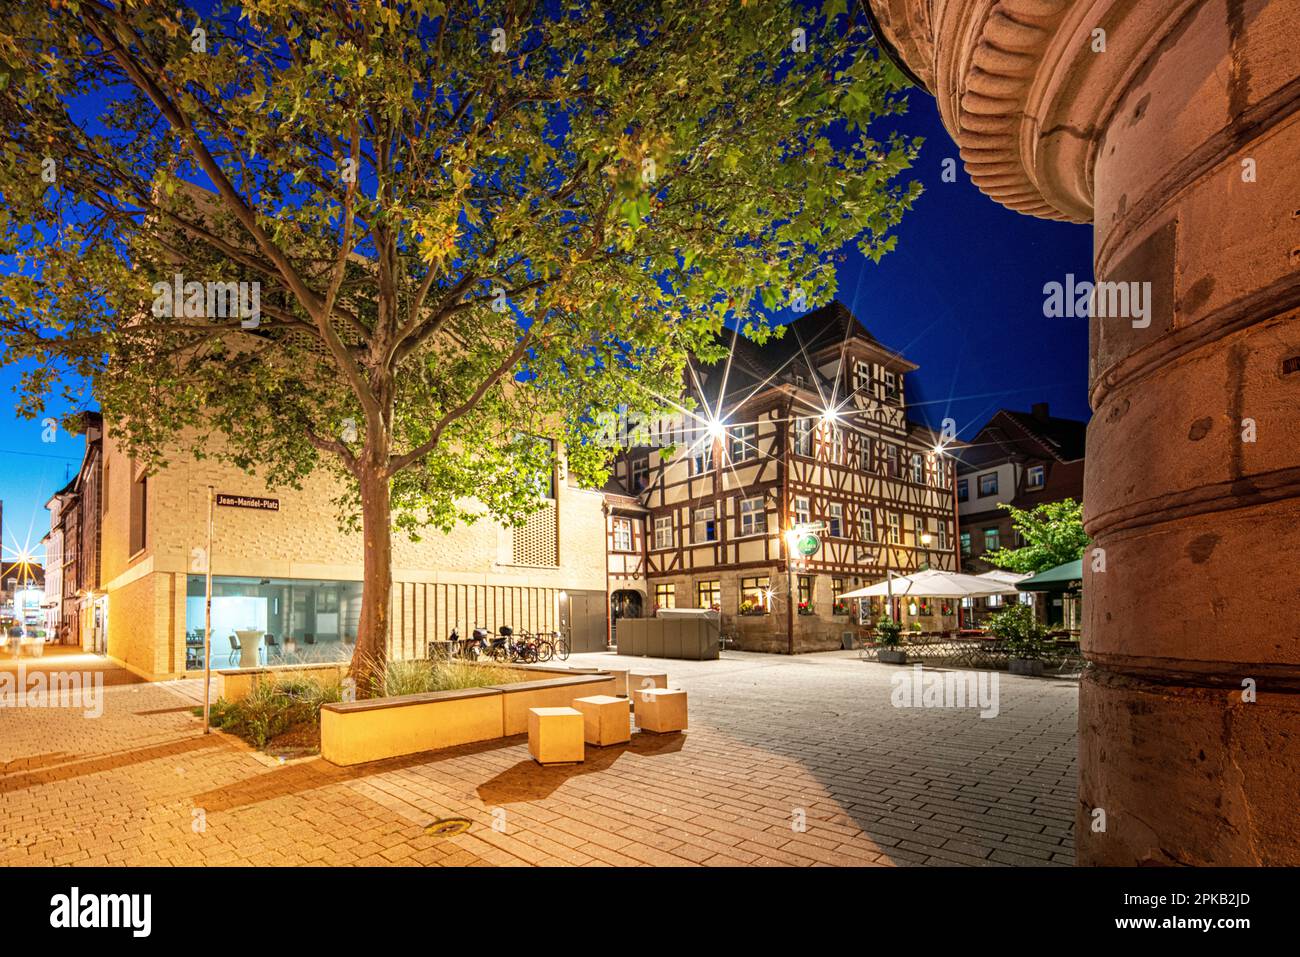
889,634
1025,639
805,608
751,607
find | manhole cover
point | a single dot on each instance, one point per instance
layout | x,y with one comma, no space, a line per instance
448,826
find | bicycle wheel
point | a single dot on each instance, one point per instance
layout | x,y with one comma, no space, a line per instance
545,650
562,647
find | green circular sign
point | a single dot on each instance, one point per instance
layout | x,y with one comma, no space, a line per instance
808,544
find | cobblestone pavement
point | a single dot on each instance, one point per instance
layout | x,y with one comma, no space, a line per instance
788,761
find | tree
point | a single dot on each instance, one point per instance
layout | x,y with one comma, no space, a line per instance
462,226
1053,535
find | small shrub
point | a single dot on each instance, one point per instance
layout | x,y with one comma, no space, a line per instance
272,708
888,631
1019,628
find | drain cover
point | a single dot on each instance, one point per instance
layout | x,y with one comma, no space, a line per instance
447,826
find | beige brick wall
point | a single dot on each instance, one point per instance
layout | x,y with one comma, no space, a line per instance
459,579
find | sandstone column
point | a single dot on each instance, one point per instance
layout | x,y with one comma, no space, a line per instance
1173,126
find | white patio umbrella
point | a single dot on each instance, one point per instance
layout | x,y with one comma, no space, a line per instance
933,583
1004,576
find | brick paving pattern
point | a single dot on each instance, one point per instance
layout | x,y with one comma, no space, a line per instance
773,742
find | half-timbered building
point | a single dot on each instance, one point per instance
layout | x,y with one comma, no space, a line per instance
800,478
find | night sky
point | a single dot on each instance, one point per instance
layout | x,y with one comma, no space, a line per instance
961,296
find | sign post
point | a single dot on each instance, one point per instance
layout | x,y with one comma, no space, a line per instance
207,625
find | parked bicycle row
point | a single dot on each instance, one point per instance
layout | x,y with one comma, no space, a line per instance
526,647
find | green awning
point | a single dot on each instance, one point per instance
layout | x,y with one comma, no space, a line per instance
1065,577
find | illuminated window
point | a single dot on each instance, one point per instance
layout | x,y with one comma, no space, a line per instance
708,594
665,596
755,595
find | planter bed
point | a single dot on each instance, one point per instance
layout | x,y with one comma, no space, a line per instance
355,732
236,684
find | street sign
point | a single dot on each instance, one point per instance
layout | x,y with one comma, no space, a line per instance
807,544
248,501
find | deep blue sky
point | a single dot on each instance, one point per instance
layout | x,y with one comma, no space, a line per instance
961,297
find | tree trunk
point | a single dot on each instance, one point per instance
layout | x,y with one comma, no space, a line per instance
369,660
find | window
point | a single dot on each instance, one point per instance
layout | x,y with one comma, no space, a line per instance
891,460
704,459
895,528
943,536
891,385
861,376
837,445
743,438
103,491
838,605
665,596
990,539
988,484
802,510
805,595
918,530
755,595
708,594
640,473
918,468
706,525
866,525
139,514
803,444
753,516
965,544
1034,477
835,520
622,534
664,532
963,490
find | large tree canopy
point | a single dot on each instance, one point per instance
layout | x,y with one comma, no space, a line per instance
469,223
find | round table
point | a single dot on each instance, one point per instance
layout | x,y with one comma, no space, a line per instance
250,642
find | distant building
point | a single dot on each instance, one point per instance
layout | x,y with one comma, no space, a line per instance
22,589
1024,459
75,609
134,547
866,487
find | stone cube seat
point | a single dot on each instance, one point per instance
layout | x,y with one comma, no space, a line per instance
605,719
660,710
555,735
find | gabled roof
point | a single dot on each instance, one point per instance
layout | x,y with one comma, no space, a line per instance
1016,435
779,359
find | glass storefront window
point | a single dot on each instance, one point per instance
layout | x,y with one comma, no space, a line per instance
300,621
